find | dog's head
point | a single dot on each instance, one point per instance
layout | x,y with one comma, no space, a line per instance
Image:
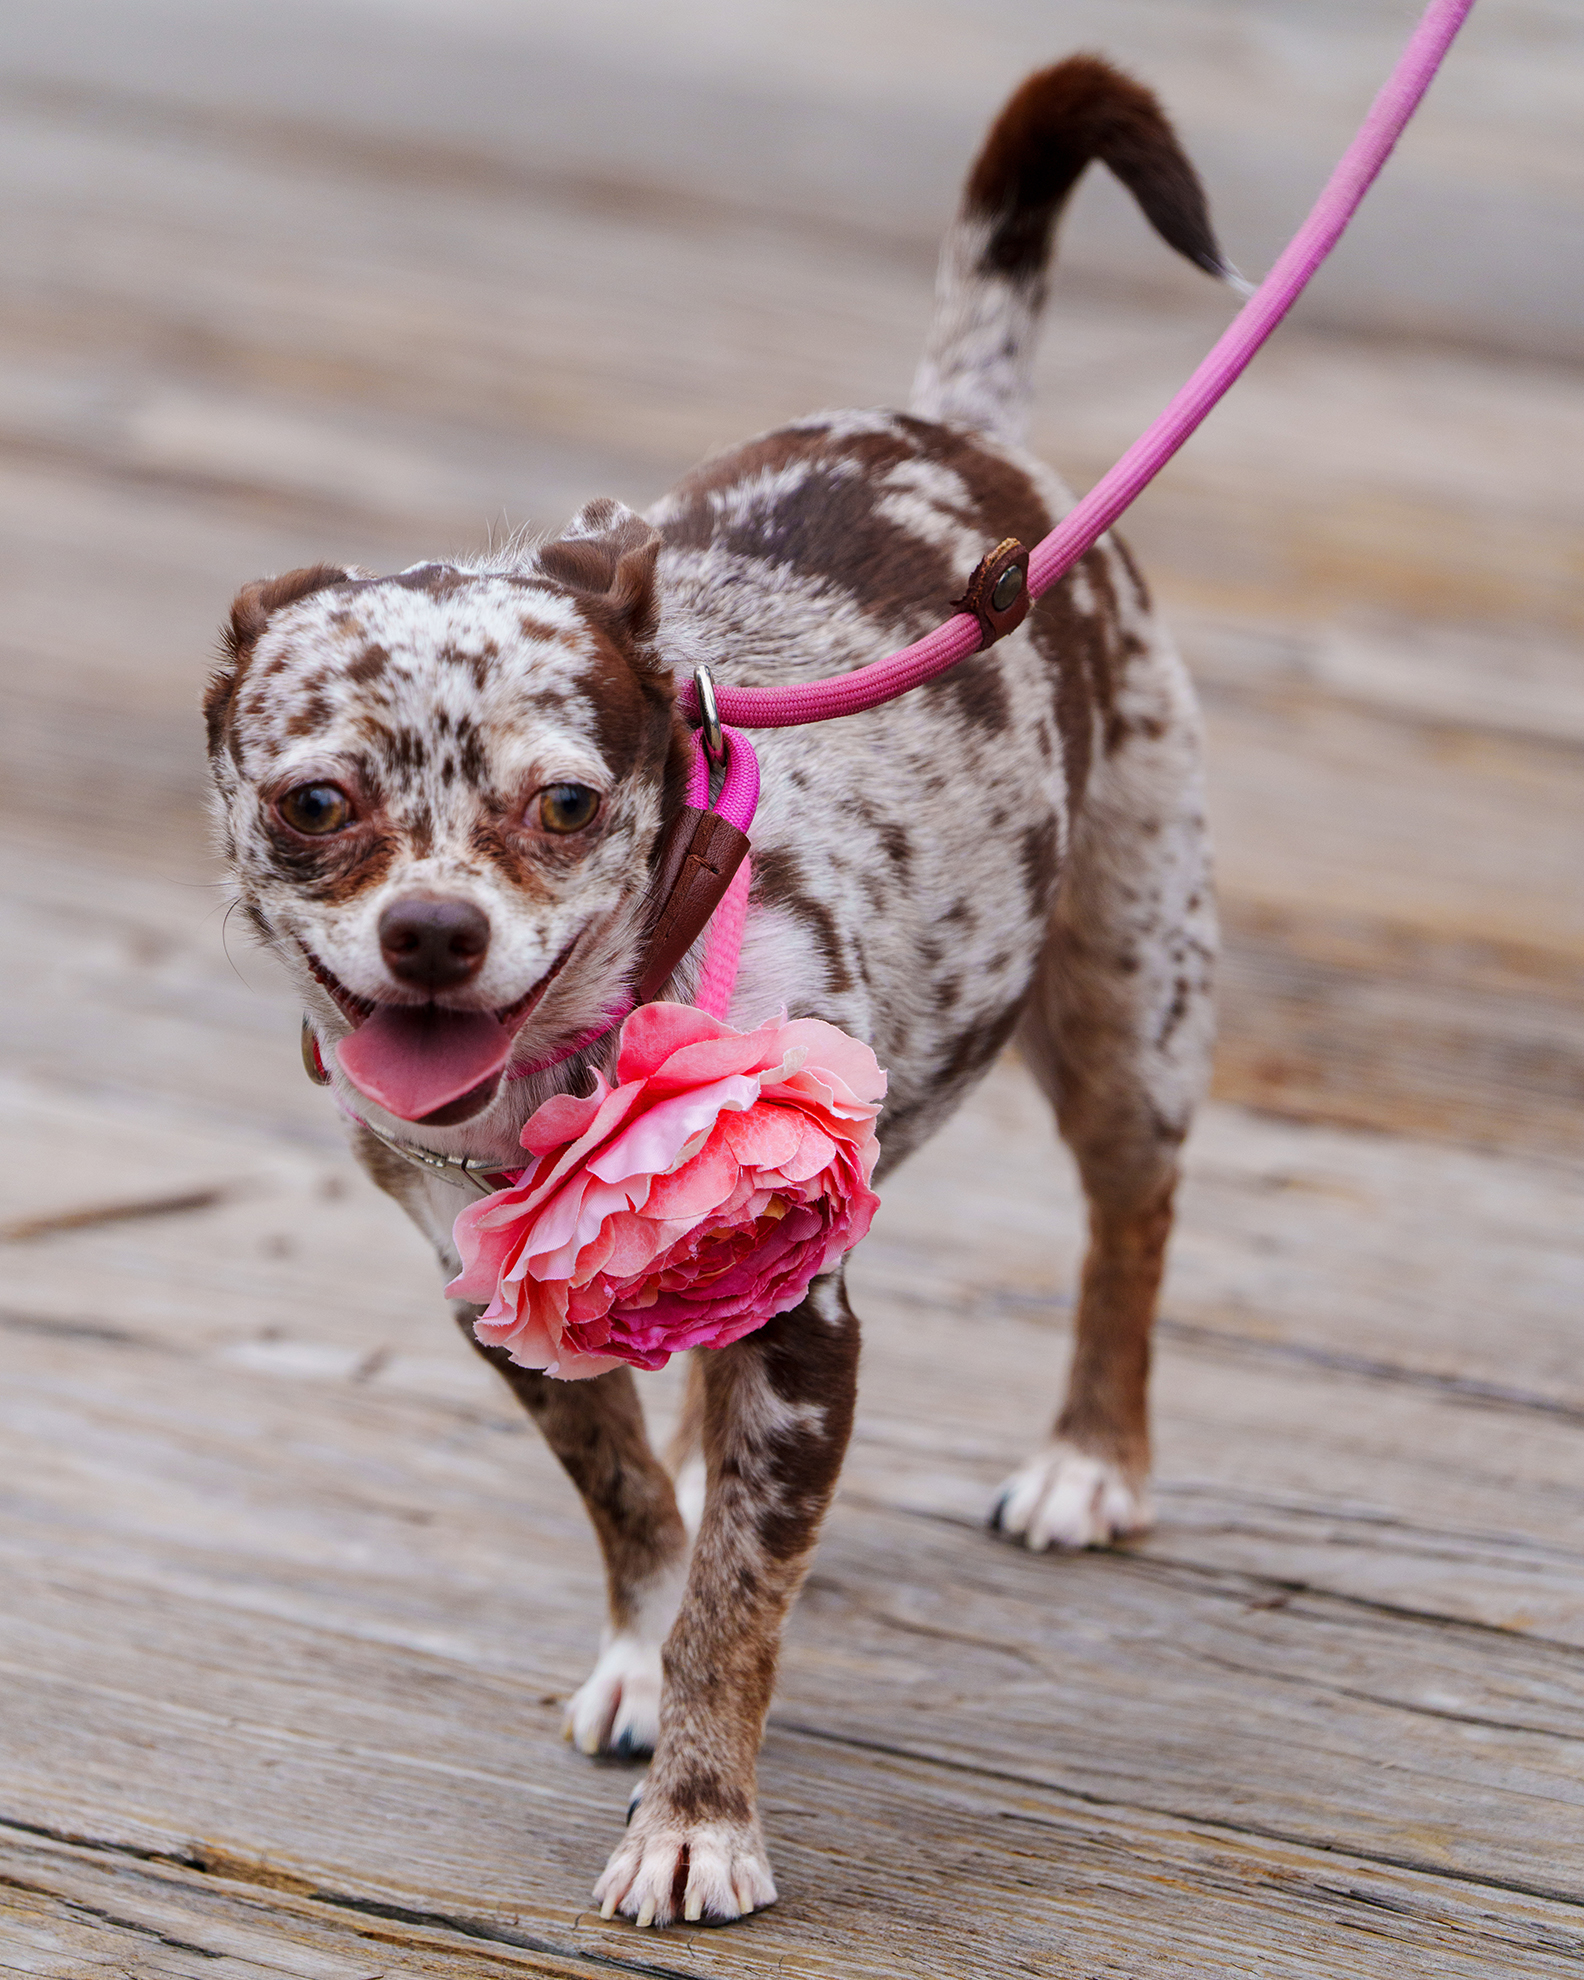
441,792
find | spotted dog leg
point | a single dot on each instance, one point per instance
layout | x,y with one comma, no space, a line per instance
778,1413
1118,1032
596,1429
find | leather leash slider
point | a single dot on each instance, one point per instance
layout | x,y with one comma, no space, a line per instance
704,852
998,594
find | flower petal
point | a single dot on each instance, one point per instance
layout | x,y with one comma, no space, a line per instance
660,1133
655,1031
685,1206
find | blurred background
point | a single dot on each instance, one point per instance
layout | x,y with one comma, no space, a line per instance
368,280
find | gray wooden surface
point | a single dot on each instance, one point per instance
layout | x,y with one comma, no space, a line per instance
292,1599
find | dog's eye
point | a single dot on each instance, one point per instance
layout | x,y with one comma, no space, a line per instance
567,807
316,809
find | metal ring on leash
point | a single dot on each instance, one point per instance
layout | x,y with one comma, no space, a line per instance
709,715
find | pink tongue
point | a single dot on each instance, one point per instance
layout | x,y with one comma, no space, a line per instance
413,1061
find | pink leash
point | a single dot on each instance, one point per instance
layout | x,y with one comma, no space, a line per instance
1055,555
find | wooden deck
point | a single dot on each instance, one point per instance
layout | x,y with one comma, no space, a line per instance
292,1597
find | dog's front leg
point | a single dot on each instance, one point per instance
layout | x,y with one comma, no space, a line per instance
596,1429
778,1413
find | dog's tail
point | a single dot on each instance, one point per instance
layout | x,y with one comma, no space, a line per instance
978,362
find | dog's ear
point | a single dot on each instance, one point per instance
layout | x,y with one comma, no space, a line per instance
251,611
609,553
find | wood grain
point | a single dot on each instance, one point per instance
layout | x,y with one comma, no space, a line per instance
292,1598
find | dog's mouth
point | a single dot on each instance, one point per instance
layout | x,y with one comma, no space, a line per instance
429,1063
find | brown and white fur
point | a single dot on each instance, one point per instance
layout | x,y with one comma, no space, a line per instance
1016,850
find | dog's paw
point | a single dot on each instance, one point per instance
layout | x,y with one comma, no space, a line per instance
667,1870
616,1711
1068,1498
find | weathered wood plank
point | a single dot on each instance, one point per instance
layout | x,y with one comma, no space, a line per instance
1073,1678
70,1910
1295,1915
417,1825
1470,1747
303,1517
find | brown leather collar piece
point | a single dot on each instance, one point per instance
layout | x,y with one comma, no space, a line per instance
702,853
998,594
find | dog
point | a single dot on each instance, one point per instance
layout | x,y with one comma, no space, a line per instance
448,790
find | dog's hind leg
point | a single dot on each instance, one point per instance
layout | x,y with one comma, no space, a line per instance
596,1429
1118,1031
778,1413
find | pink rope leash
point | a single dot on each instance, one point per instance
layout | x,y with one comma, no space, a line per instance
1055,555
718,978
739,796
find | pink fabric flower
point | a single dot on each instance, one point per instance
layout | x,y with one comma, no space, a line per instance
686,1205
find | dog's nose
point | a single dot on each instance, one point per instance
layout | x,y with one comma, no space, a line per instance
433,944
